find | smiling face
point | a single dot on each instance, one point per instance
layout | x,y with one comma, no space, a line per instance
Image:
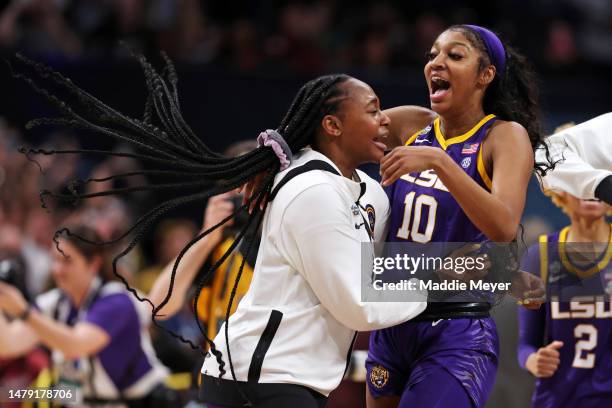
457,73
359,125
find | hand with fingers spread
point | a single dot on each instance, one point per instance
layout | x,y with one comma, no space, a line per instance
528,289
407,159
544,362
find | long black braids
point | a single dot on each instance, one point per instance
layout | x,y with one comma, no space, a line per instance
163,138
513,94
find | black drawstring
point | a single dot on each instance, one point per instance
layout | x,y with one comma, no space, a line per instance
365,222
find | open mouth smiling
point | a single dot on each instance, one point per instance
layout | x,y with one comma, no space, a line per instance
439,85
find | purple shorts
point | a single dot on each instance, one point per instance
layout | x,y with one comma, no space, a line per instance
403,357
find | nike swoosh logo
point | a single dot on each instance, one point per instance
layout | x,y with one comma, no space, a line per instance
555,278
435,323
421,141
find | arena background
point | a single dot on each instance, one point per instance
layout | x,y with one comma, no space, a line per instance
239,64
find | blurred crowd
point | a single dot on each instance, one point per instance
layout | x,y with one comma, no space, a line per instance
303,36
27,238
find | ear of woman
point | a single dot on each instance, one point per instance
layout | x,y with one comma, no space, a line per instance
332,125
487,76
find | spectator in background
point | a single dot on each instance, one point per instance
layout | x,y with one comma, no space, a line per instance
302,31
561,48
17,179
38,234
19,372
94,328
38,26
594,30
171,236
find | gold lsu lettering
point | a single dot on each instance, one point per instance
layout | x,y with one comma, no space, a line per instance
427,178
581,307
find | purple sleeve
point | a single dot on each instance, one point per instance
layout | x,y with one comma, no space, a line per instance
113,313
531,322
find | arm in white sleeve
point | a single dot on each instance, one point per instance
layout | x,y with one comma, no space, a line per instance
582,155
319,237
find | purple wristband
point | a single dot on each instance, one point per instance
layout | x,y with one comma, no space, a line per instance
273,139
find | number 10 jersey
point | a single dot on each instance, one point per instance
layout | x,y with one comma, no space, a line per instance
423,210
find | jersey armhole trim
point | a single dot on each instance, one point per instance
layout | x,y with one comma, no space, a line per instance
543,248
482,169
412,138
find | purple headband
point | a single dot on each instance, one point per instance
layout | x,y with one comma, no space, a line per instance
495,48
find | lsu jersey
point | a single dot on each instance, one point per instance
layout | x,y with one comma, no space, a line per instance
423,210
580,315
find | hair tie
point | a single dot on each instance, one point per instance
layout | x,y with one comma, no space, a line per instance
271,138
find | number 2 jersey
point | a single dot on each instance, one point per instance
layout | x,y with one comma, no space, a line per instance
422,208
582,321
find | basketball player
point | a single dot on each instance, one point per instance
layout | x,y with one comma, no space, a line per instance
567,345
582,155
459,175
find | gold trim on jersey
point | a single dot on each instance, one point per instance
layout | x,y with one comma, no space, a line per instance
544,258
412,138
482,170
458,139
580,272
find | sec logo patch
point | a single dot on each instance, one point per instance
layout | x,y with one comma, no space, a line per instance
379,376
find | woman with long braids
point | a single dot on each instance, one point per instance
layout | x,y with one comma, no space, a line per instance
288,342
291,334
458,174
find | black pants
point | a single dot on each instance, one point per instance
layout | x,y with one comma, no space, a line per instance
226,394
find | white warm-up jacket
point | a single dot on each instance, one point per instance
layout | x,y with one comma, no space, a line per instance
307,283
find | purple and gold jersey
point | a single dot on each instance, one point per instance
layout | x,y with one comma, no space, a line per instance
422,208
583,323
403,358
